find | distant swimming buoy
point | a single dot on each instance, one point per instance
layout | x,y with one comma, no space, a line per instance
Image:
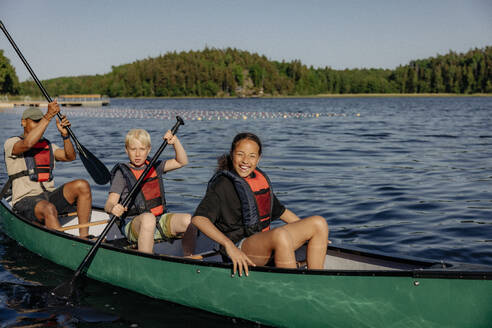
194,115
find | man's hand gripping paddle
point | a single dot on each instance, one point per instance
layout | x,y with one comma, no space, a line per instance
98,171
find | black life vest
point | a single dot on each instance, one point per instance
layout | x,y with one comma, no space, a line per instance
256,196
151,197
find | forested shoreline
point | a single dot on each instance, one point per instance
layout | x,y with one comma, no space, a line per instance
236,73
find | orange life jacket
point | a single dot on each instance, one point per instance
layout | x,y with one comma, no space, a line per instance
151,197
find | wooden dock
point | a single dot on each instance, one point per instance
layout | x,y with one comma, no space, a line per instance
94,100
25,103
64,100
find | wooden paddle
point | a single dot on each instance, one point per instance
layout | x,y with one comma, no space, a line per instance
82,225
65,290
98,171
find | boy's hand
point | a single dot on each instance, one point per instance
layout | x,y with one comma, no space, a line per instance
171,139
118,210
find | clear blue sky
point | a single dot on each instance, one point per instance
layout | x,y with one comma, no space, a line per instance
68,37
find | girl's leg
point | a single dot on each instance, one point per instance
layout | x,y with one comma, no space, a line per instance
283,241
143,226
314,230
260,246
181,224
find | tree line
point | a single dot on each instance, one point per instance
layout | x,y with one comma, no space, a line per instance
215,72
9,82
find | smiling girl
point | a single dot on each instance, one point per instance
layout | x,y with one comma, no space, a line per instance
239,206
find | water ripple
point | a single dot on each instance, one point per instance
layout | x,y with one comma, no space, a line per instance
401,175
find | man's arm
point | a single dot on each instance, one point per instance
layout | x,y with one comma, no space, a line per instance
67,154
37,132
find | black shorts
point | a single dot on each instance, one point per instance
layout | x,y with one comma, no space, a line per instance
25,206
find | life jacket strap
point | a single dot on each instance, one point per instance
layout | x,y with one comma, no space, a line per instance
8,184
159,228
6,188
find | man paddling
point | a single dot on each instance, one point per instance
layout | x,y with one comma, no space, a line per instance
30,160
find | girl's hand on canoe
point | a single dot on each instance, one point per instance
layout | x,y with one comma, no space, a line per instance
240,261
118,210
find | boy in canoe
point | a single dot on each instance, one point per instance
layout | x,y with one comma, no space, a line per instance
147,218
238,207
30,160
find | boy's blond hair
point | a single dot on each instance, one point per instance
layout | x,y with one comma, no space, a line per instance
138,134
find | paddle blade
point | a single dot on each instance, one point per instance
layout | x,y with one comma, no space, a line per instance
65,291
98,171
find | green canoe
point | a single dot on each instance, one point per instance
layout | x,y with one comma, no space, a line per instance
356,289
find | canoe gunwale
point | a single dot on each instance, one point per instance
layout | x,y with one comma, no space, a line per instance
430,267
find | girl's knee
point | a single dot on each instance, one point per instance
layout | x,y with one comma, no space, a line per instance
319,223
281,238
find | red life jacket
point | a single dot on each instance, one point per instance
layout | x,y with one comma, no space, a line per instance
256,196
40,161
151,197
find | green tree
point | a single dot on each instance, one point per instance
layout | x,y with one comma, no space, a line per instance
219,72
257,74
9,82
437,84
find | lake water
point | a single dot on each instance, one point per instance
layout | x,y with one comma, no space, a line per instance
408,176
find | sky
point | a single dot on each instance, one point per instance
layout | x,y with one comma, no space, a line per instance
87,37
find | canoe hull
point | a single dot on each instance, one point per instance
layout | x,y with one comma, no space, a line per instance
277,297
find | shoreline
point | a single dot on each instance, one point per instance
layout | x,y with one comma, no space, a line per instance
14,99
347,95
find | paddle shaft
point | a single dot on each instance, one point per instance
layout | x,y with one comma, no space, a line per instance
125,203
40,85
94,166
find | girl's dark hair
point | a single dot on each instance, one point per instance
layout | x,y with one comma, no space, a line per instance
224,162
